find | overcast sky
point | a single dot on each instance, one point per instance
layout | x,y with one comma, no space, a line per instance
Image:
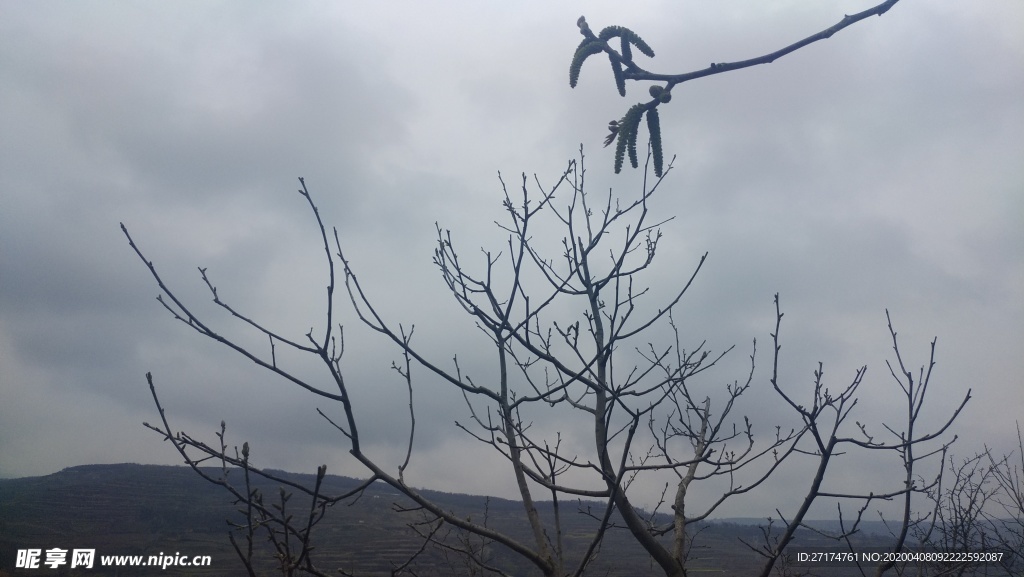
880,169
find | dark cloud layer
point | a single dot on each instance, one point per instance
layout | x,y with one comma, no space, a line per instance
878,169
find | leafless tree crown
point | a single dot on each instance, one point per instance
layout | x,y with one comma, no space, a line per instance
571,329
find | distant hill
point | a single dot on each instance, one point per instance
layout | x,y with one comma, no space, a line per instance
145,510
869,528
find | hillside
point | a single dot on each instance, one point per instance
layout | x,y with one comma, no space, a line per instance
147,510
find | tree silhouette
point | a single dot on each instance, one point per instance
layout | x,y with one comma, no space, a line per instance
571,331
651,411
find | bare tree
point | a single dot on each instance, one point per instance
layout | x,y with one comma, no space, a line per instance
649,413
977,517
958,523
1008,520
570,328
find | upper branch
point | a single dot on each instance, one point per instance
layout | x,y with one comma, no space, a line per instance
184,314
624,131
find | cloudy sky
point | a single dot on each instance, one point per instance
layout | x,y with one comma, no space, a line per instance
881,169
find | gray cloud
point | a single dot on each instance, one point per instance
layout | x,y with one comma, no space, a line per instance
878,169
